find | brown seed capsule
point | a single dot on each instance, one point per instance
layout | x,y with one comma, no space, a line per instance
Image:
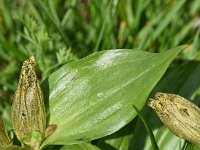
28,111
4,139
179,115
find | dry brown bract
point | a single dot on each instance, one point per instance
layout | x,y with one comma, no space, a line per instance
4,139
28,111
179,115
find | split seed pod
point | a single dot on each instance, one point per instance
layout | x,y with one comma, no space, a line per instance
28,110
179,115
4,139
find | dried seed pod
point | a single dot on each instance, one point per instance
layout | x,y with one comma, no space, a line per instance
179,115
28,110
4,139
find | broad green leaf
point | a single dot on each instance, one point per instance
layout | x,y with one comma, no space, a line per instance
82,146
185,81
118,140
92,97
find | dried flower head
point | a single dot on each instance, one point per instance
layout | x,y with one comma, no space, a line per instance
179,115
28,111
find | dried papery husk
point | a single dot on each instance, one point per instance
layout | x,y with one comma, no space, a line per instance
28,110
179,115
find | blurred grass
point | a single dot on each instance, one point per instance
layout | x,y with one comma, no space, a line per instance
67,30
59,31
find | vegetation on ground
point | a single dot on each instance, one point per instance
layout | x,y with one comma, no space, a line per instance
98,63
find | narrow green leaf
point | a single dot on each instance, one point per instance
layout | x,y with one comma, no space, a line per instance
92,97
9,47
100,36
153,141
55,22
166,20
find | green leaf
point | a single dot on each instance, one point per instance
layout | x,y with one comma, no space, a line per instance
82,146
150,133
118,140
92,97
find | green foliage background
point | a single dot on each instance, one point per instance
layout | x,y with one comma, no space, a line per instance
58,32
